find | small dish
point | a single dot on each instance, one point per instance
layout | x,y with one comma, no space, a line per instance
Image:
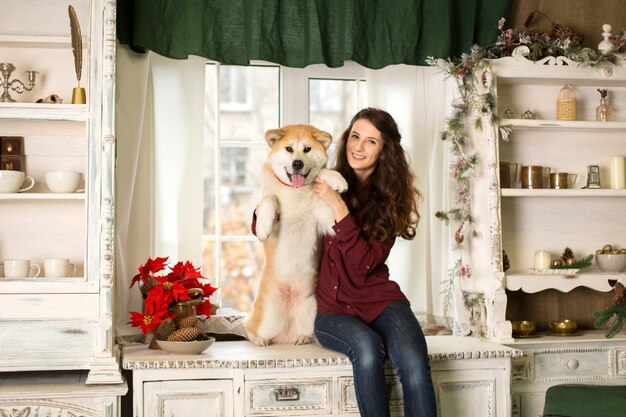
190,348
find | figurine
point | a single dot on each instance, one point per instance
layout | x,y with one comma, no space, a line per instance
605,46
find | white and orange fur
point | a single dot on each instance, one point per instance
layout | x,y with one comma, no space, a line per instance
291,222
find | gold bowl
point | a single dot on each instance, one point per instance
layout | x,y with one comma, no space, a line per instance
523,328
564,326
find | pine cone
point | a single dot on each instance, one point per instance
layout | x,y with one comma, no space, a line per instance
165,329
619,295
185,334
568,254
190,321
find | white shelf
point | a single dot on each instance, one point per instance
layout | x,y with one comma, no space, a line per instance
42,196
564,124
569,192
40,111
532,283
584,336
39,285
33,41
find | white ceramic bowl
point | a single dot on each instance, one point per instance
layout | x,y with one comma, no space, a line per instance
611,262
63,181
190,348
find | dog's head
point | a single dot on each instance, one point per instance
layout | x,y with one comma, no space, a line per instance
298,153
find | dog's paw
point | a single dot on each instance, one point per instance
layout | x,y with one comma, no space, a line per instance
258,340
303,340
267,213
334,179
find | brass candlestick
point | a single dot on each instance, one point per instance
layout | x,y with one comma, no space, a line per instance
16,85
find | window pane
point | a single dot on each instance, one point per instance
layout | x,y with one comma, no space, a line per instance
258,87
240,188
332,103
241,267
235,151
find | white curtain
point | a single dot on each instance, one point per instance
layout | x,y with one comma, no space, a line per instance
159,124
419,99
159,110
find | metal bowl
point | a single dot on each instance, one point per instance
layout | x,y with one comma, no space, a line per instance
523,328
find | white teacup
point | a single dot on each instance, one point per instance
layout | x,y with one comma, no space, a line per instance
64,181
20,268
58,268
12,181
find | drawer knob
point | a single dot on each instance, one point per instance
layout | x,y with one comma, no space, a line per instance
573,364
287,394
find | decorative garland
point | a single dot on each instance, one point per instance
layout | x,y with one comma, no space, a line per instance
477,102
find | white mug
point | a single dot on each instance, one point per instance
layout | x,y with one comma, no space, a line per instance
11,181
64,181
58,268
20,268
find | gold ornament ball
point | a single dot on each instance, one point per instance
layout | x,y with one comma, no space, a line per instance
607,248
570,261
557,262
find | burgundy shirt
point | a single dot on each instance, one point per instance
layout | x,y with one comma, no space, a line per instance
353,277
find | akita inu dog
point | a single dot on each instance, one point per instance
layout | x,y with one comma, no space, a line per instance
290,221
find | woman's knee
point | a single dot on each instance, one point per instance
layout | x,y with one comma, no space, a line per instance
369,352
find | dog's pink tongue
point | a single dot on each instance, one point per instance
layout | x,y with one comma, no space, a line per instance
297,180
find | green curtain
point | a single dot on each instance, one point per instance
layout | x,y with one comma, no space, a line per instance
297,33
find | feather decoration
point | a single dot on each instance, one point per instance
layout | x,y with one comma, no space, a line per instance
77,43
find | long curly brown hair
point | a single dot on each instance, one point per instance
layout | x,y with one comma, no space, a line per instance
392,197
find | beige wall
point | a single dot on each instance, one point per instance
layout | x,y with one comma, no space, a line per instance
584,17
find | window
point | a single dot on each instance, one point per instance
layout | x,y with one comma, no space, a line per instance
252,100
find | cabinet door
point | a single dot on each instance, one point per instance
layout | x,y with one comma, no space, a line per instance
201,398
471,393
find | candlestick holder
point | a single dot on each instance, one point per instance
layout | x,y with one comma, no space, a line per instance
16,85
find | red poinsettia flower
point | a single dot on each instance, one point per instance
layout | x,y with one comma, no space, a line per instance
164,291
184,271
148,321
148,269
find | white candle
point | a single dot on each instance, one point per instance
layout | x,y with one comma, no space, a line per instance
618,174
543,259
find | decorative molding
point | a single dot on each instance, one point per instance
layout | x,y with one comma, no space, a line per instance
620,362
299,363
40,408
486,387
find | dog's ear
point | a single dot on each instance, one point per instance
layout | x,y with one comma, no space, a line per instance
272,135
322,137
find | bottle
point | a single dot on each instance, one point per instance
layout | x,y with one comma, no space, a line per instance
603,111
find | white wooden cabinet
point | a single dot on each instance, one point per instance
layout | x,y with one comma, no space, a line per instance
471,378
57,394
522,221
60,323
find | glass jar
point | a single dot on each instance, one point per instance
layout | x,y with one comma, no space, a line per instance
603,111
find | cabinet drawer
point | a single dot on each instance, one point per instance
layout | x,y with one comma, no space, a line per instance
44,339
48,306
563,366
347,395
288,397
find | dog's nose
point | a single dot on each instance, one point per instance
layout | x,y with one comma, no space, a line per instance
297,165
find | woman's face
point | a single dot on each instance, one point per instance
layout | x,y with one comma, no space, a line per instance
363,148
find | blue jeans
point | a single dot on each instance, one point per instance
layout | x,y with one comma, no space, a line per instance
396,334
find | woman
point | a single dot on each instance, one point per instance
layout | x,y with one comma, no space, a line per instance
361,312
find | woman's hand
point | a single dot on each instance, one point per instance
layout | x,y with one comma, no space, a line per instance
331,198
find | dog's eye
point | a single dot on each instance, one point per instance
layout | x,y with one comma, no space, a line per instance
306,149
289,149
